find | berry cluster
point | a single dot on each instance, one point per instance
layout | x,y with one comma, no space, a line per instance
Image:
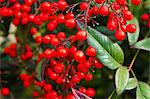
68,61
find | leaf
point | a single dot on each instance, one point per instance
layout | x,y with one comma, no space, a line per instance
121,79
109,53
133,37
143,91
112,48
132,83
143,44
39,70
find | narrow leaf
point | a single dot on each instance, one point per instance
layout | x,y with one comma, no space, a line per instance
39,70
143,91
133,37
132,83
121,79
143,44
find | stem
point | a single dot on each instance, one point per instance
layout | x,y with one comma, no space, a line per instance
111,94
86,14
134,58
133,74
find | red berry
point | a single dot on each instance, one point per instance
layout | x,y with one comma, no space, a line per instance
62,52
88,77
70,96
95,10
104,10
35,94
26,84
28,2
5,91
112,25
47,87
38,39
59,80
70,23
131,28
83,90
91,51
33,30
61,18
46,39
128,15
87,64
61,35
121,2
136,2
72,50
48,53
145,17
59,68
52,25
81,35
44,6
97,64
53,76
90,92
120,35
83,5
25,8
79,56
62,4
69,15
75,79
99,1
6,50
54,41
81,75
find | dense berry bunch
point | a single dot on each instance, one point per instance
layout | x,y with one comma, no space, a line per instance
68,58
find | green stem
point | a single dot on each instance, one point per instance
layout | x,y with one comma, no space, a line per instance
111,94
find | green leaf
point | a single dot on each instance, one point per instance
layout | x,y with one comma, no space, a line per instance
143,44
121,79
143,91
133,37
132,83
109,53
39,70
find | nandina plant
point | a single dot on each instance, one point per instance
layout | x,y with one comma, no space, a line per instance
74,49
